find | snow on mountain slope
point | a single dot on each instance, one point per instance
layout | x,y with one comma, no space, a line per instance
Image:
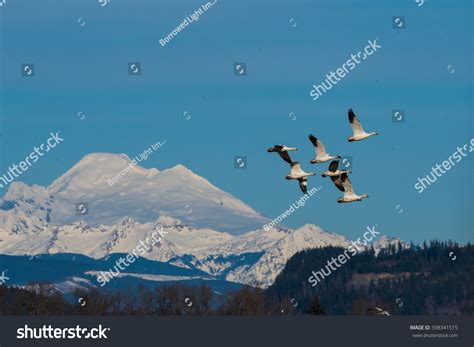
204,228
386,241
255,257
141,194
127,235
264,272
25,209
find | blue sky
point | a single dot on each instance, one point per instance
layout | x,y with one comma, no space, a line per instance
84,69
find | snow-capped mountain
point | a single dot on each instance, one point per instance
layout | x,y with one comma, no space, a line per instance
141,194
205,229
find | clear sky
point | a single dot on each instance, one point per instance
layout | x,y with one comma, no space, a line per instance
84,68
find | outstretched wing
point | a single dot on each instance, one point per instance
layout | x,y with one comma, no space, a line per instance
337,182
303,184
318,145
333,166
355,123
346,183
286,157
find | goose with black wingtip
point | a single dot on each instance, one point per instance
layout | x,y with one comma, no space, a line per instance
343,183
358,132
333,170
321,155
297,173
282,151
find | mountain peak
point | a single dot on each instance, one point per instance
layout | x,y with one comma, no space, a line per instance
103,155
310,227
180,168
95,170
110,186
100,158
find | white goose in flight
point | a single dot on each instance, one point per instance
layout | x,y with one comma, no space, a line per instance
321,155
297,173
333,170
358,132
282,150
343,183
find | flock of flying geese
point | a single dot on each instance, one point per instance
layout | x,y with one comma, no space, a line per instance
339,177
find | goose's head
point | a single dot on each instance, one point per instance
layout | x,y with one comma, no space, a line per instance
350,138
364,196
271,149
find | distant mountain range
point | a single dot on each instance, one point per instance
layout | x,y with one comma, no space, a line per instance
209,233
